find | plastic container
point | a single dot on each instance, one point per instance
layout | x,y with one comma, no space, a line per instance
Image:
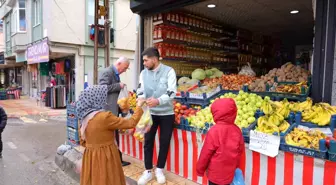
73,143
322,153
203,99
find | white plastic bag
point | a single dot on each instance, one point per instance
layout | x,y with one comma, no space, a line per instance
144,125
62,149
123,100
247,70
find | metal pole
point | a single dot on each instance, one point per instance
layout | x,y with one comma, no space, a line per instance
107,33
95,60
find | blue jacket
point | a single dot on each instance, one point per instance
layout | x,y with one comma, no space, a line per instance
3,118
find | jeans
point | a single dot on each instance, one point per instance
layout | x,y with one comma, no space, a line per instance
166,124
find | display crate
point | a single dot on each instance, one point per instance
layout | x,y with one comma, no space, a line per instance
73,123
203,99
322,153
72,134
332,124
73,143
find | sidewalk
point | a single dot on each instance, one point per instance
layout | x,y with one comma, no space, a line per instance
68,164
29,107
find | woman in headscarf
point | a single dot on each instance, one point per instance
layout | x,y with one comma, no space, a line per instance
101,160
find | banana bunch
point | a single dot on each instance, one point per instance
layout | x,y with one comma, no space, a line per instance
305,139
303,106
270,124
319,114
267,107
132,101
282,108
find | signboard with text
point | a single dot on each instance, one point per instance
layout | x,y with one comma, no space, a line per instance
264,143
38,53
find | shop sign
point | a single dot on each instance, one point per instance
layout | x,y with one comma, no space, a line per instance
38,53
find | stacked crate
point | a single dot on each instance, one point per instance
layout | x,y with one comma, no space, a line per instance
3,95
72,125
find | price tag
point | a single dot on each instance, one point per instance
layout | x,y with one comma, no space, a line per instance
264,143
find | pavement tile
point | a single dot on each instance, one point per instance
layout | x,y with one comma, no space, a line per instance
26,106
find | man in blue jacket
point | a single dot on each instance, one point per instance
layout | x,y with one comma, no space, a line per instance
3,123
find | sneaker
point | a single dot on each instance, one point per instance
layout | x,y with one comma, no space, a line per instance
145,178
160,177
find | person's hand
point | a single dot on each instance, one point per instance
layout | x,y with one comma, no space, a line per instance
141,102
122,85
152,102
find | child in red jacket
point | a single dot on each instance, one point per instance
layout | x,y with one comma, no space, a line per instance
223,145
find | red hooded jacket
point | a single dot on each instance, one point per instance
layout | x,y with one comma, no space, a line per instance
223,145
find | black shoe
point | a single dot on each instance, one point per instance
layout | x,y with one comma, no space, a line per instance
124,163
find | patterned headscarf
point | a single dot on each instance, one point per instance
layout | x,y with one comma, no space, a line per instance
92,99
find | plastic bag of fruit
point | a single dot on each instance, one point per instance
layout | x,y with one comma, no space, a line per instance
123,100
144,125
247,70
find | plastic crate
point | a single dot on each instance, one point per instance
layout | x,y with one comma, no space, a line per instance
71,109
203,99
73,123
332,124
73,134
322,153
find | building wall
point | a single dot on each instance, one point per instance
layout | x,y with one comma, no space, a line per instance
63,21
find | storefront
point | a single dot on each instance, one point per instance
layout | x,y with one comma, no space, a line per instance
51,75
227,35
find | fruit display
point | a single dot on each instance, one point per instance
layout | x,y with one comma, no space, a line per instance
274,119
182,111
293,89
203,89
287,73
247,105
305,139
144,125
230,82
319,114
203,116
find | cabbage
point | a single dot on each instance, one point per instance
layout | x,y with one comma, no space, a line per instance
208,72
198,74
214,70
218,74
183,80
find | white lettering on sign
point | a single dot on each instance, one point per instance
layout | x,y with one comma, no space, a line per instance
264,143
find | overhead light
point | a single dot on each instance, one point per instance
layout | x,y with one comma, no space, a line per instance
211,6
294,11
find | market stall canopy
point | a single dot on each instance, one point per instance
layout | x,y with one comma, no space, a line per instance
265,16
145,7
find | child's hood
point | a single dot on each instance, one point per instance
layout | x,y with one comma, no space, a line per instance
224,111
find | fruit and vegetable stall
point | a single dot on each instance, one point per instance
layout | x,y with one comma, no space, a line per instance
289,139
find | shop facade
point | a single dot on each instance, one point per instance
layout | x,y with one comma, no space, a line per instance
51,74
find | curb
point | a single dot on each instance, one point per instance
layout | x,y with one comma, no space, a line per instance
49,115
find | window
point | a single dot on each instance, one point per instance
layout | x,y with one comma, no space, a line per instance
37,12
91,7
22,15
19,17
8,35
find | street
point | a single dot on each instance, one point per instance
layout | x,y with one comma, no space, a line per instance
29,151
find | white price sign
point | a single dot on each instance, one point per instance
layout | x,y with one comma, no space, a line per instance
264,143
